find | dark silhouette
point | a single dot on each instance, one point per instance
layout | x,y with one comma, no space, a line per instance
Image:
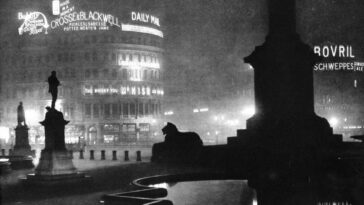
21,115
53,87
177,146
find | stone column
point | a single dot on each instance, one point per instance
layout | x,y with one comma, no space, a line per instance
285,142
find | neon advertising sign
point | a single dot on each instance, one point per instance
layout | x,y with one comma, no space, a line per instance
70,20
337,58
34,23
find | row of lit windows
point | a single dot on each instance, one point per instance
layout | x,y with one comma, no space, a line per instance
115,110
126,74
105,56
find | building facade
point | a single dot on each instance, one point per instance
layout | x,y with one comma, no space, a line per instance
110,69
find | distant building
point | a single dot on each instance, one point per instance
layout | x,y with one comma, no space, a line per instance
109,61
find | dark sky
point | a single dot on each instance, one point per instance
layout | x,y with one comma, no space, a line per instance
211,37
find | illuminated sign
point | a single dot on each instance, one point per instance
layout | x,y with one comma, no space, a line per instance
137,65
123,90
336,53
55,7
34,23
141,29
341,51
143,17
84,21
70,20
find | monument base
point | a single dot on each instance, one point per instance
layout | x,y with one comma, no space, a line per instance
22,156
56,168
55,162
21,162
77,178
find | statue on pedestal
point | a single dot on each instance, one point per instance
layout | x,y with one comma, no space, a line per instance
55,163
21,115
20,157
53,83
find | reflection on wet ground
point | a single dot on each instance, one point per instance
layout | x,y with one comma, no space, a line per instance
237,192
232,192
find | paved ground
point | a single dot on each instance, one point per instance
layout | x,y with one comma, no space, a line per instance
108,177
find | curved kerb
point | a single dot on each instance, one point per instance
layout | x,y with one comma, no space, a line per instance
147,195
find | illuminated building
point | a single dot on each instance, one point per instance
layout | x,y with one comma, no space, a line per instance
109,62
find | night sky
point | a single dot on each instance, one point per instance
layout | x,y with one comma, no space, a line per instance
211,37
214,36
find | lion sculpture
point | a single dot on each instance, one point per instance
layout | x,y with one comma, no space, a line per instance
177,146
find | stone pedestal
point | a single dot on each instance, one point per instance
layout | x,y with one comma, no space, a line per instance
55,164
286,144
22,147
21,156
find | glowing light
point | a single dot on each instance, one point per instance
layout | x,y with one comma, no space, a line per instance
143,17
55,7
34,23
248,110
161,185
333,121
32,117
138,65
4,134
141,29
196,110
4,160
232,122
204,109
168,113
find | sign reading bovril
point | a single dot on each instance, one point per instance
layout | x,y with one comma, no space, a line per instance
337,58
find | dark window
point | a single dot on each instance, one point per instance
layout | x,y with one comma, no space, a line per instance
88,110
105,73
132,108
115,110
96,110
95,73
140,109
125,73
125,109
107,110
114,73
87,73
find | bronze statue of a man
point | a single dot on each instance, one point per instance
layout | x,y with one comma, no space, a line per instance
21,115
53,87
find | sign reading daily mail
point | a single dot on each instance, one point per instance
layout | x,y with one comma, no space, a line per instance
66,18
